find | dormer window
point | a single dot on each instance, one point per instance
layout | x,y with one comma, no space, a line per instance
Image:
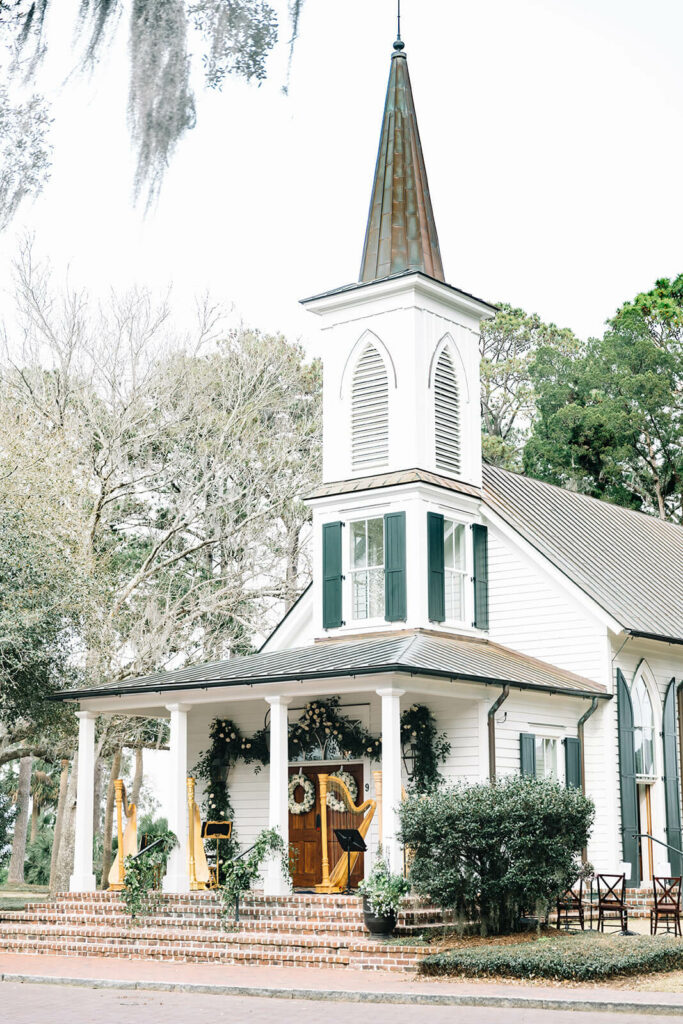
446,415
370,412
367,569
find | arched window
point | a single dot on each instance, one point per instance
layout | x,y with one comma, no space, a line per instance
370,412
643,728
446,415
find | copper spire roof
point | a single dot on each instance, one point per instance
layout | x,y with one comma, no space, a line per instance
401,233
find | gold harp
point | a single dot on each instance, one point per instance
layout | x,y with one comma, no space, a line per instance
336,879
128,840
197,865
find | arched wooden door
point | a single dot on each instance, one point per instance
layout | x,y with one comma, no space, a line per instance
305,835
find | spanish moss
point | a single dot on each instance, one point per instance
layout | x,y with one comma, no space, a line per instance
96,15
161,105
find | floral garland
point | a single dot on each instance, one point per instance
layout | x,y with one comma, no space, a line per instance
324,730
301,781
333,801
323,727
422,746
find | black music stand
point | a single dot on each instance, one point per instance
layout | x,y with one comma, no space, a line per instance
350,841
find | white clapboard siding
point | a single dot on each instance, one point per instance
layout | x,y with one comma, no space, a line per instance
531,614
446,415
370,412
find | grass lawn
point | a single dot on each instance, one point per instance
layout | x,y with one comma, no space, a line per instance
587,957
16,896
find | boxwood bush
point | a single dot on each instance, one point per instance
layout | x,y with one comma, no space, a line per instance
586,957
496,853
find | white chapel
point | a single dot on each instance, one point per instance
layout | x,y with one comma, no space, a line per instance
541,628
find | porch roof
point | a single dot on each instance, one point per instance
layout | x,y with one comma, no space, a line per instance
412,653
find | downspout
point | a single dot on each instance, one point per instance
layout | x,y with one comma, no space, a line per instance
492,732
582,721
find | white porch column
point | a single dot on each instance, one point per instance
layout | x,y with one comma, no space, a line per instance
278,812
177,876
391,776
83,878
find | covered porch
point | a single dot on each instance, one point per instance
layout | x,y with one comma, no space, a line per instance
463,683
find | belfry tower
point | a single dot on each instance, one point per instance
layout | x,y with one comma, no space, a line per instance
401,412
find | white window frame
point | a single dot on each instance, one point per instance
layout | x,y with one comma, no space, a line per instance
465,573
544,737
656,727
349,573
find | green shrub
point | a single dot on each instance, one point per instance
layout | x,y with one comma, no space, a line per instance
383,890
496,853
586,957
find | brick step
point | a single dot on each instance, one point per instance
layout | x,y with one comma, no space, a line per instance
356,960
202,946
275,926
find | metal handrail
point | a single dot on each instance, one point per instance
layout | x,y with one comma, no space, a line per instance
646,835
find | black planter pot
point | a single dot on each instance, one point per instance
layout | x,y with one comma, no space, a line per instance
378,925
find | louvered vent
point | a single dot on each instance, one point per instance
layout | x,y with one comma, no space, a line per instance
447,415
370,412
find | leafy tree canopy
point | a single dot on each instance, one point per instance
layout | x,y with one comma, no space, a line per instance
609,419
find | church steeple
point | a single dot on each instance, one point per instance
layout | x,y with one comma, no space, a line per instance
401,233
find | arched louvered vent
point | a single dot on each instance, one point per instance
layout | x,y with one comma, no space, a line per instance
446,415
370,412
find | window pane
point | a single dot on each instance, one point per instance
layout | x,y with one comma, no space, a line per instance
540,758
360,595
376,600
546,758
358,545
459,546
455,611
448,544
375,542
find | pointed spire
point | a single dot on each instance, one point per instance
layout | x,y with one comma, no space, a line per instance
401,233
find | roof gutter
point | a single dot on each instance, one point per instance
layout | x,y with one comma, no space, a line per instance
656,636
212,684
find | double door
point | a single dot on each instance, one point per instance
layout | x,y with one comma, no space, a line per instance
305,835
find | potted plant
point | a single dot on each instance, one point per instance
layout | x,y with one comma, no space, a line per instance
382,893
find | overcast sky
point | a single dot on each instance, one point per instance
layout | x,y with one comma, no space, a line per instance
553,136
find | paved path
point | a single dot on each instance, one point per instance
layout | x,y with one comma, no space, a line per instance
30,1004
68,988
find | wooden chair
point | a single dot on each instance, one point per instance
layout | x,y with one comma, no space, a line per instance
667,894
612,899
570,906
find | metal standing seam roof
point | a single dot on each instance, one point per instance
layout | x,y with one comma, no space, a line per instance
413,653
405,476
630,563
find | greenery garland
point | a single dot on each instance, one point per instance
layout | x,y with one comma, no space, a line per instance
241,873
324,729
140,894
424,746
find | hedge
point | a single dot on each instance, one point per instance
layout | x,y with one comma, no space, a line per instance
588,957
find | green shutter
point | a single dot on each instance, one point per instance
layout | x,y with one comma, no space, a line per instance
572,762
480,546
436,586
627,780
527,753
395,596
672,787
332,575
